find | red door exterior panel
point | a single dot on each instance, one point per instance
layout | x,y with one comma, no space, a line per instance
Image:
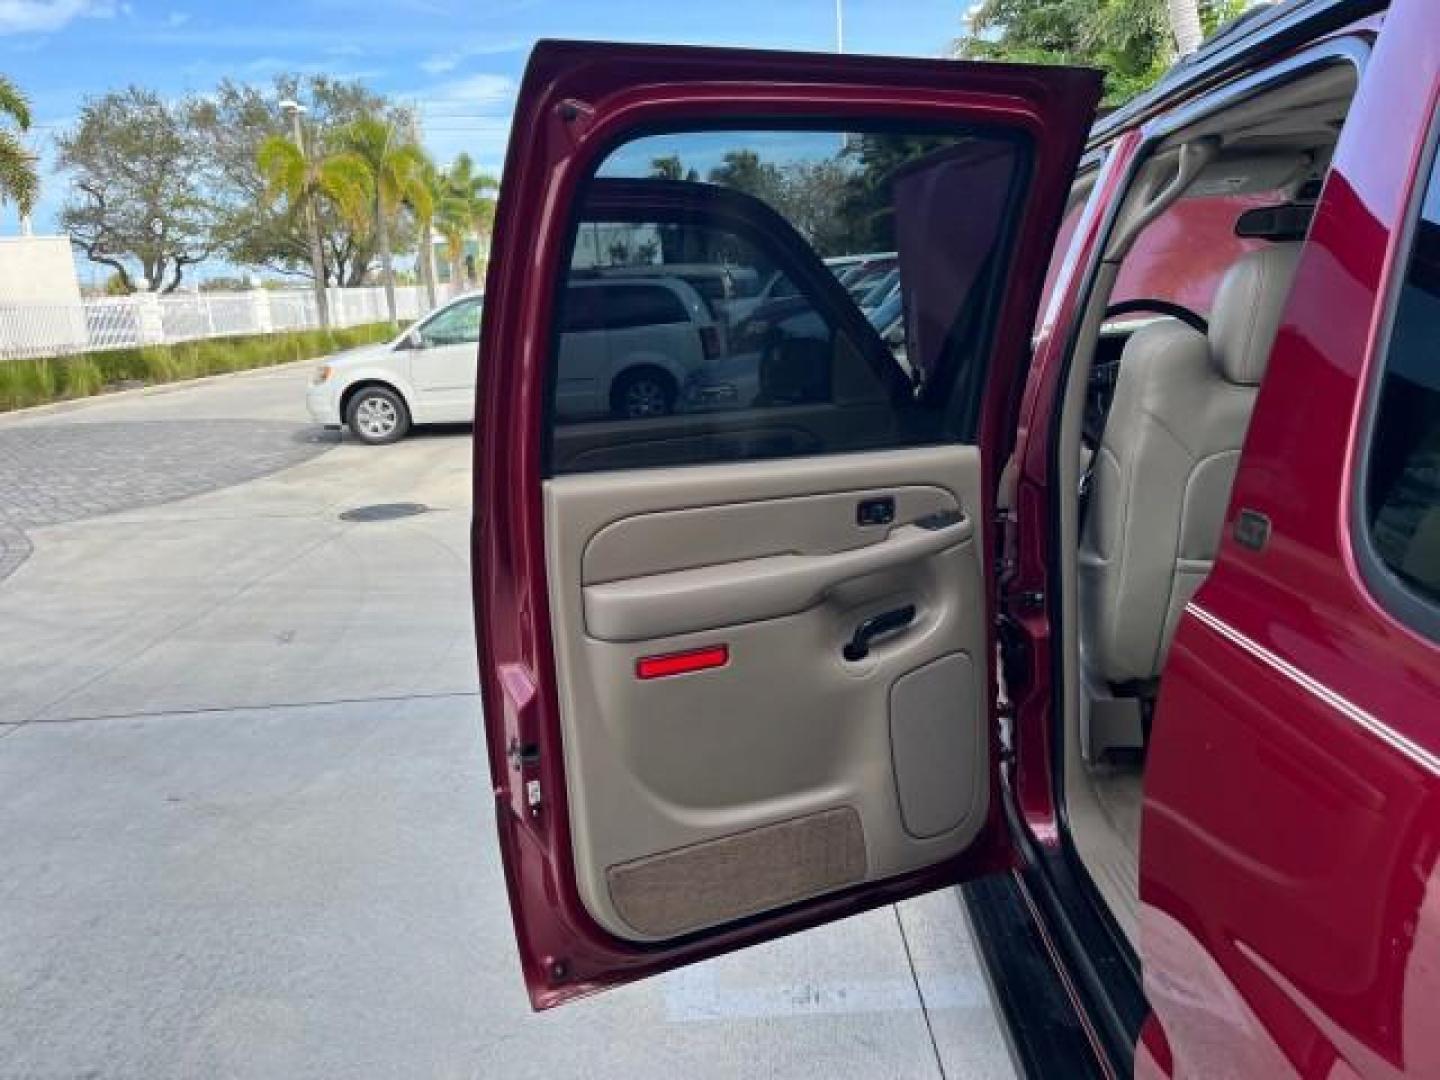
1290,904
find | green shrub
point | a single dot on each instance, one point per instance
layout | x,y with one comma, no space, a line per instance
158,364
26,382
10,384
80,377
38,381
34,382
120,365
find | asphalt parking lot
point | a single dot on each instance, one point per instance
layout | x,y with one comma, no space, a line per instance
244,821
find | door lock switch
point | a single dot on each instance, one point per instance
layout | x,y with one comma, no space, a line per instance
880,511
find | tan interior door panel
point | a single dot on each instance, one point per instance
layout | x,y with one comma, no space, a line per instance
790,770
751,590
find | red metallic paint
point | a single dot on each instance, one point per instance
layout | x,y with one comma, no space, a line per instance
1180,257
1290,902
1032,780
1290,918
576,102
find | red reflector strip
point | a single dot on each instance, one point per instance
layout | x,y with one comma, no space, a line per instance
682,663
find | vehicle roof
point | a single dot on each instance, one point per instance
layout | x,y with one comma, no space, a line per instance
582,278
674,270
1244,44
693,301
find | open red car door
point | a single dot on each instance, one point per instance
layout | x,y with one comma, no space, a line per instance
733,534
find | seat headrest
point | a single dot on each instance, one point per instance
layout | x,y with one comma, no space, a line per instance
1247,309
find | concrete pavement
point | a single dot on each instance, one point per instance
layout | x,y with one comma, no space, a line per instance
244,820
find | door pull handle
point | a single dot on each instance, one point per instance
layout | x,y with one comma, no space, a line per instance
858,647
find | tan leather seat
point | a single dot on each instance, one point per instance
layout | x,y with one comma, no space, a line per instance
1163,472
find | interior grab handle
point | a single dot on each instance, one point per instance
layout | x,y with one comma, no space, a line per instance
858,647
749,590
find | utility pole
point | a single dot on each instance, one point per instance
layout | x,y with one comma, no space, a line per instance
839,26
312,224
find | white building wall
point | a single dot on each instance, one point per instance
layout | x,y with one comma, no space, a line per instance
37,273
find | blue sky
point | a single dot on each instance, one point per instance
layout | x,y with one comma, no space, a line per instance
456,61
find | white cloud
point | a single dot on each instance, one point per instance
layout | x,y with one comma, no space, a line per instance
470,113
481,92
438,65
177,18
39,16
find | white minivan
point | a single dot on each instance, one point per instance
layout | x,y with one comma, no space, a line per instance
629,348
630,345
426,375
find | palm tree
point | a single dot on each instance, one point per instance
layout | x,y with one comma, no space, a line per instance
19,180
425,201
397,166
1185,24
338,178
464,210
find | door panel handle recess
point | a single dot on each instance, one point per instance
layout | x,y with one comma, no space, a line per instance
858,647
749,590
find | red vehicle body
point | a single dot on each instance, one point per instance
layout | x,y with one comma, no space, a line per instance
1289,918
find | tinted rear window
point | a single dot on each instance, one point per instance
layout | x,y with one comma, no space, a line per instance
1403,496
628,306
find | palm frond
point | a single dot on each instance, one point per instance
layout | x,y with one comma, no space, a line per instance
345,179
14,103
19,179
283,168
420,197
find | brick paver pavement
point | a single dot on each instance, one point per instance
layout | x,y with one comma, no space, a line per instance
53,473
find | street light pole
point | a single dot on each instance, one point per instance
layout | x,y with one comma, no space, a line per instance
839,26
312,224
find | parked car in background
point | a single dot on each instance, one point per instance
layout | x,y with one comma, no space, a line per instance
722,287
425,375
849,268
865,276
877,290
630,343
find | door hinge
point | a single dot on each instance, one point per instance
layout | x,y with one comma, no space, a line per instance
522,755
1014,647
1029,600
1007,562
1007,736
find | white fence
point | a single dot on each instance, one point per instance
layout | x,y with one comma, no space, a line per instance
118,322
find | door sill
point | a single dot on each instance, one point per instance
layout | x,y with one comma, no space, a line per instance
1044,1028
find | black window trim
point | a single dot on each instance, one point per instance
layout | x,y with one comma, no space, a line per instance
1388,589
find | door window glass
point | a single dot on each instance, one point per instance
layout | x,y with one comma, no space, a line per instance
582,309
458,324
627,306
1403,495
780,292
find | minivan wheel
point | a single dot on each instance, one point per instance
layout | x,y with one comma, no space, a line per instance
377,415
643,393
